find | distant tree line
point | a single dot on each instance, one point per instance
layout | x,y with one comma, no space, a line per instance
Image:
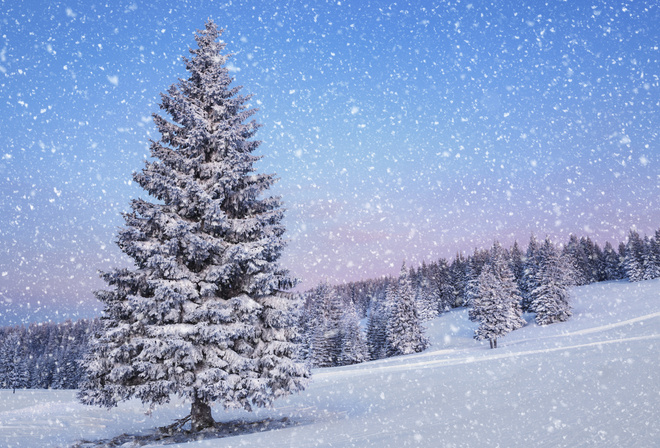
497,285
44,356
378,318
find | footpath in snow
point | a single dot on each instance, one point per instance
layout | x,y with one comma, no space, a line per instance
592,381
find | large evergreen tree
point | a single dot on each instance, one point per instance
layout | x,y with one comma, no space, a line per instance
203,314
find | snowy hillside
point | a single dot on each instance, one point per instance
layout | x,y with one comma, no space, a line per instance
593,381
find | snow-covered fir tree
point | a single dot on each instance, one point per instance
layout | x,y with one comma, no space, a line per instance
611,264
471,284
551,298
5,365
377,318
622,260
634,257
589,263
530,267
497,304
325,350
517,261
203,315
575,252
10,370
650,259
445,294
353,343
405,333
426,298
458,280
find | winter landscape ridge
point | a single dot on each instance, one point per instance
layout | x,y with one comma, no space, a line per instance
591,381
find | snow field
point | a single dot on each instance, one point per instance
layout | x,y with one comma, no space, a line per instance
592,381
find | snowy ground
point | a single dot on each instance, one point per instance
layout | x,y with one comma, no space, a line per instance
593,381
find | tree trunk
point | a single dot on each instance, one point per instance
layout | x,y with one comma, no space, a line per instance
200,415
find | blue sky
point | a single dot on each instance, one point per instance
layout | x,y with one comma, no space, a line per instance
400,130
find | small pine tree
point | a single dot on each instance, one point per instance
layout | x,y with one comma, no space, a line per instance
457,280
589,262
353,344
623,272
444,294
551,298
517,263
650,260
611,263
204,314
426,300
574,251
634,257
377,318
497,304
404,329
530,267
471,284
326,336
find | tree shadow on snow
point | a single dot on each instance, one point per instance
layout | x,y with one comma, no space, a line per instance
167,436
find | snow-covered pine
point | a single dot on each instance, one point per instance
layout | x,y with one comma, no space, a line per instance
426,298
377,318
203,314
551,298
353,344
634,257
650,259
10,359
655,253
622,260
611,264
445,290
497,304
5,364
598,264
589,262
575,252
458,280
517,262
325,348
471,283
405,333
530,268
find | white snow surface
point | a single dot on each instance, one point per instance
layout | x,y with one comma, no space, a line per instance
591,381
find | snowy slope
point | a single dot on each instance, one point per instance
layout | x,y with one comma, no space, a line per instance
592,381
